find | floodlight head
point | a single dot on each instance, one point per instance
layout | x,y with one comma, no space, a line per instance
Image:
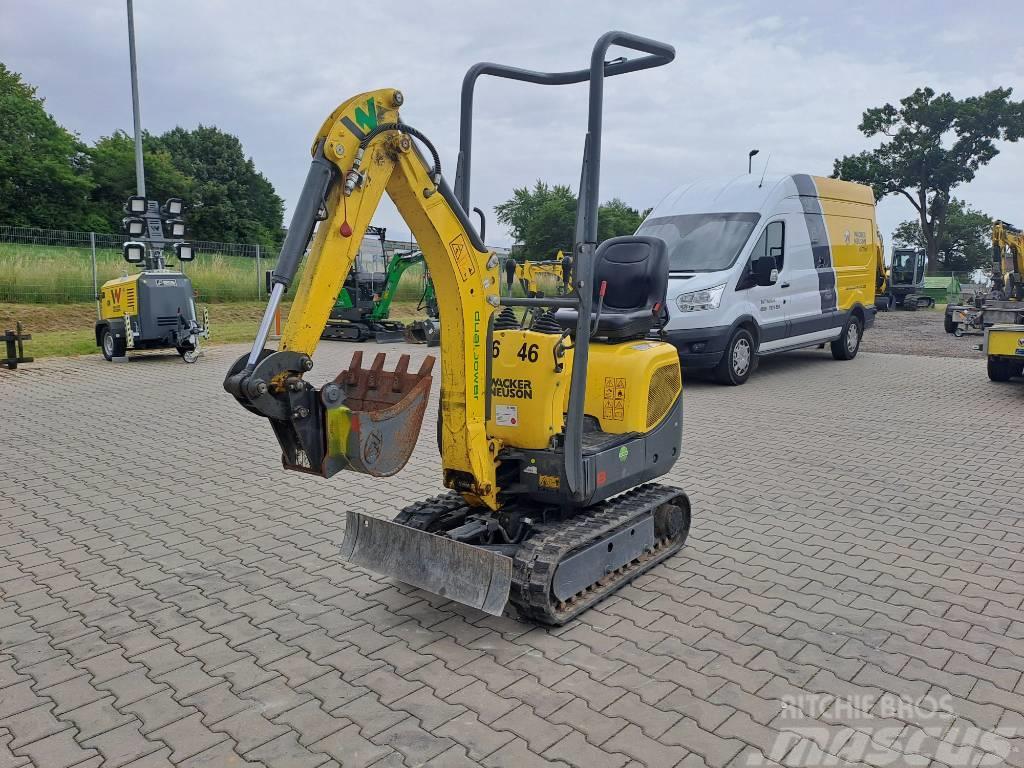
174,206
134,252
174,228
135,204
133,226
184,251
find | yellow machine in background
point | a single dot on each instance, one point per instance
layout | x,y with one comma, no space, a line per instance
1004,348
153,309
1004,304
1008,261
530,272
549,434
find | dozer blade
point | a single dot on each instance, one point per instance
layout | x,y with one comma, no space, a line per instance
389,335
461,572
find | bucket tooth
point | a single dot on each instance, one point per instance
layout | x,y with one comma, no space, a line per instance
461,572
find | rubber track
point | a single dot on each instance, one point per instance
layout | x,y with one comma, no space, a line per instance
534,565
538,557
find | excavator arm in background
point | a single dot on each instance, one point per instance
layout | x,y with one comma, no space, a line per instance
530,271
397,267
1008,260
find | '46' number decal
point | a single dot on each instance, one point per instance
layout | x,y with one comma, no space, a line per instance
527,353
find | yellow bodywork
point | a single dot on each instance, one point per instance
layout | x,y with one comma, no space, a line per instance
119,297
1008,249
1005,341
849,213
465,279
631,386
529,273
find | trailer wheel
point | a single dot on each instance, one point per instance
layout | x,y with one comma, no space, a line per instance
847,345
738,360
189,355
111,345
948,324
999,369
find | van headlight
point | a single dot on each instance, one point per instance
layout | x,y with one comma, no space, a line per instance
694,301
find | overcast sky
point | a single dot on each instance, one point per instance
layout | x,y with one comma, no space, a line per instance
790,78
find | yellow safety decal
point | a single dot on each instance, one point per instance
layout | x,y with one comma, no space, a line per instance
614,398
460,254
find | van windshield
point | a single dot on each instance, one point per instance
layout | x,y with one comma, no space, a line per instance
702,242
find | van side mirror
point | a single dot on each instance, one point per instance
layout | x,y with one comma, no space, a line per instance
765,270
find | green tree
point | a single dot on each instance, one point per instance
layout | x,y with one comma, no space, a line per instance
44,175
934,143
615,218
230,199
542,220
964,240
112,160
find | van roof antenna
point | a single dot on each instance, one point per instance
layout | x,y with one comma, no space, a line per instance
760,183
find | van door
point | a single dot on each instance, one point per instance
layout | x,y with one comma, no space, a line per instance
812,281
768,301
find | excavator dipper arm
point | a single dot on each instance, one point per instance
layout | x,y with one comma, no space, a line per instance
367,420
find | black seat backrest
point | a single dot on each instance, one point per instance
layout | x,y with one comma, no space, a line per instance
636,270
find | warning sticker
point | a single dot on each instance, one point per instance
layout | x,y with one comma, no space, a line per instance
462,257
614,401
506,415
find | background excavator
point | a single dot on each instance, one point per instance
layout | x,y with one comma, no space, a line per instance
363,308
904,282
1004,304
549,435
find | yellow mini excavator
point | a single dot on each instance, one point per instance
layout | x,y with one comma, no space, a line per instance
549,434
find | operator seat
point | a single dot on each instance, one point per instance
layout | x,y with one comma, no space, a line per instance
636,271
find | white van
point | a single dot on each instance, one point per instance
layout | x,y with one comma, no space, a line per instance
758,266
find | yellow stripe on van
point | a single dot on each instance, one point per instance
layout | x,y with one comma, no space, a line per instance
848,191
849,210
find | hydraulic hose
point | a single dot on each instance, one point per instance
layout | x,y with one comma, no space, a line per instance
354,175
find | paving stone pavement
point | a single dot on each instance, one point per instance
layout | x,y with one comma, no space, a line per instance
851,592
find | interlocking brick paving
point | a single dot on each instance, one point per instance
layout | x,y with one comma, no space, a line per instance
851,591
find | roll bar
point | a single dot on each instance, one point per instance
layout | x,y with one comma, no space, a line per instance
657,54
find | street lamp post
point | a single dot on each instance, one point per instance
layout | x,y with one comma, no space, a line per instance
750,154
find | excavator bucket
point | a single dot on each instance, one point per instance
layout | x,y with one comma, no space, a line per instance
424,332
461,572
372,417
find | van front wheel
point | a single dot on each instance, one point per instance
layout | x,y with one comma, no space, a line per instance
848,343
739,359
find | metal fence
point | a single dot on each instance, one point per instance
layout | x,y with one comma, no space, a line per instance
60,266
48,266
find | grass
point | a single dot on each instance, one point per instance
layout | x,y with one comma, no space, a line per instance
67,329
47,274
42,274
